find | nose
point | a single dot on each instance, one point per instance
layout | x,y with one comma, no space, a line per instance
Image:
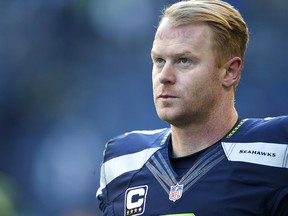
167,75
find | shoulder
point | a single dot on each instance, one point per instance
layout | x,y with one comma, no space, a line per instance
269,122
135,141
267,129
259,141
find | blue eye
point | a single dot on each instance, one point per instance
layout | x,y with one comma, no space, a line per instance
159,61
183,60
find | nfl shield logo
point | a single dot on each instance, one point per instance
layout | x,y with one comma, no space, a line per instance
175,192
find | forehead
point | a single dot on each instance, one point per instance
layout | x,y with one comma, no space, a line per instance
196,35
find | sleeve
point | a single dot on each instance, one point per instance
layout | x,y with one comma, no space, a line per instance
101,194
279,203
282,209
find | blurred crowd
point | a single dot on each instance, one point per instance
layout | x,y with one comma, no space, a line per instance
74,73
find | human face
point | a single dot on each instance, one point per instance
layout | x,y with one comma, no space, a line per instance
186,81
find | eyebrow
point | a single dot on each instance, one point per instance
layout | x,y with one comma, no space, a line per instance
175,55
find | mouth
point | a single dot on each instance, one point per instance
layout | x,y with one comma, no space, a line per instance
166,96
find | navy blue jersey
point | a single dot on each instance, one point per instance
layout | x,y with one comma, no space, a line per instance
244,174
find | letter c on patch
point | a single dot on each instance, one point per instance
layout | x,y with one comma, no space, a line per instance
135,198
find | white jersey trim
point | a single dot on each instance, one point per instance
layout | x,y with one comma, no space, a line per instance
268,154
120,165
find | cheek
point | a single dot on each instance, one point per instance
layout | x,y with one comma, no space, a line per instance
153,76
155,80
153,84
154,88
198,88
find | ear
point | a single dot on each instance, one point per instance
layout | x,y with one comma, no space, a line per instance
232,72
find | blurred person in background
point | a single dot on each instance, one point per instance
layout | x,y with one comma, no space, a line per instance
210,161
8,194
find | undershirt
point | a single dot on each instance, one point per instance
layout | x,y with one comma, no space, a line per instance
182,164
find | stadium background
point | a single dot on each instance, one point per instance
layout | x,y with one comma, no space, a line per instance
73,74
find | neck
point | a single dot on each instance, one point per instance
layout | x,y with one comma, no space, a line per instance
195,137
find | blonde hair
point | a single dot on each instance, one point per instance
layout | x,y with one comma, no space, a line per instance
228,26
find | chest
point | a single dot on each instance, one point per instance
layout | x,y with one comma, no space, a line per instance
212,186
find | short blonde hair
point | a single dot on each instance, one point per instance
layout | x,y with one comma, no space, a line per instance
228,26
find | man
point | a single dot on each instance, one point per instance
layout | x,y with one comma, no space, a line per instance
209,162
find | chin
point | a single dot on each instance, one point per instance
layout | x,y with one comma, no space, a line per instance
170,116
170,119
164,117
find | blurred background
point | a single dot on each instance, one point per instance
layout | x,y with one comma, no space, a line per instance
74,73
